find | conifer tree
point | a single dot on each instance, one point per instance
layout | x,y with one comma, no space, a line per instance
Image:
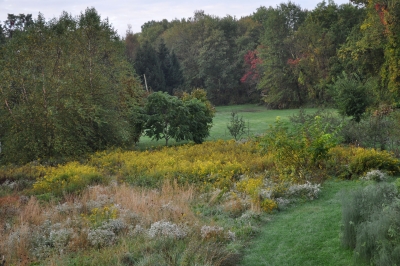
147,63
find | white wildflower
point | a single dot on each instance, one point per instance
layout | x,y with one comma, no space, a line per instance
168,229
375,175
101,238
210,231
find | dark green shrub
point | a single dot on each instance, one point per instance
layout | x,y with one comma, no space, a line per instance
352,95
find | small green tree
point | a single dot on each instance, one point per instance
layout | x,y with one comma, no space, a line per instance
170,117
352,95
199,121
236,126
163,111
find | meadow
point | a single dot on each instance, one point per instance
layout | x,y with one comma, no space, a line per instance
205,204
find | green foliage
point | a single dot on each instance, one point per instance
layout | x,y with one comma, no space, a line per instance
370,224
148,67
66,89
170,67
170,117
236,126
354,162
380,130
163,116
352,95
279,83
299,151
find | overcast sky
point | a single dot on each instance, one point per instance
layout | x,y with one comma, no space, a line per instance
123,12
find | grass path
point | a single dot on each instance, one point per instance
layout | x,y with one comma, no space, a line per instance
307,234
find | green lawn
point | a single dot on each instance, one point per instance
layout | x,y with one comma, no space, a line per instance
257,118
307,234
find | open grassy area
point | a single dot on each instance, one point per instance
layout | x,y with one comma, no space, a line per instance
257,118
307,234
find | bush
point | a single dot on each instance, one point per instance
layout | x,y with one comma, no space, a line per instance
371,224
352,95
368,159
350,162
375,175
170,117
299,151
236,126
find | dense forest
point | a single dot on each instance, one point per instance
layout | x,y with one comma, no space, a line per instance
71,85
285,56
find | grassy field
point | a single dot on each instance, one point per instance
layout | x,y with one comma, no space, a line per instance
257,118
307,234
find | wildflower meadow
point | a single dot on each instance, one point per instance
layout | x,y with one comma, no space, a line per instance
193,204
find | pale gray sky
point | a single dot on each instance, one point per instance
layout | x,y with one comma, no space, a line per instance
123,12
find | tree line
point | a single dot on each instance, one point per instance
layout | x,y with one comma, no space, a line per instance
283,56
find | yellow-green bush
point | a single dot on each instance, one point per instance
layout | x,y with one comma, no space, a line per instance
250,186
355,161
70,178
299,151
268,205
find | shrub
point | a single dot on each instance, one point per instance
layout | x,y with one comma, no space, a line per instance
268,205
349,162
367,159
299,151
375,175
360,206
352,95
236,126
380,130
371,224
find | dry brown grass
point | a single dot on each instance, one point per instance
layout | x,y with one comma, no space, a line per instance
171,202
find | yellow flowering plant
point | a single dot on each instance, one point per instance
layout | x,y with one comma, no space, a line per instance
72,177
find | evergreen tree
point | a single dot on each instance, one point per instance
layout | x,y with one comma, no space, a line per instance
147,63
174,78
170,68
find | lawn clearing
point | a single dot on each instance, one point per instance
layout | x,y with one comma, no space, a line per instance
307,234
257,117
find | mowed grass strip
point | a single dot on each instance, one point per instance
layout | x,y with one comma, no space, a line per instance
306,234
